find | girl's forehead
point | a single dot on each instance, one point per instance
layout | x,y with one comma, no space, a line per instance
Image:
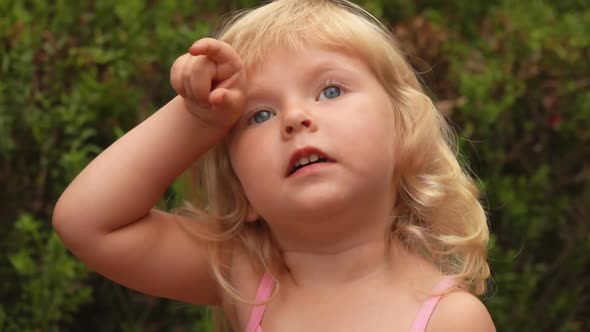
314,64
310,54
256,56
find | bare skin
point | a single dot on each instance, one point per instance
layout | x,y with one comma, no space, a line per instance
106,218
381,296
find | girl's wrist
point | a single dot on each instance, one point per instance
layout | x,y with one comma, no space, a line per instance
203,114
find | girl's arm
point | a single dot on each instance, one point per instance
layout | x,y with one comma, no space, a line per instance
106,214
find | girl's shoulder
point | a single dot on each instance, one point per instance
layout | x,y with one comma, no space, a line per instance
244,279
454,309
460,311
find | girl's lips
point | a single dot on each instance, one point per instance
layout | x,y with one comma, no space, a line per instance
310,169
305,152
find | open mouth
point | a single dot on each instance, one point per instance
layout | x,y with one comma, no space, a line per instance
305,157
304,162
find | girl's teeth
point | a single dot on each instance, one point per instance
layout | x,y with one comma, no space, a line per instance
307,160
302,161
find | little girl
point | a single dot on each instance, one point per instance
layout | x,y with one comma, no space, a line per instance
335,201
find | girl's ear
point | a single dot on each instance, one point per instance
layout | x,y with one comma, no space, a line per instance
252,215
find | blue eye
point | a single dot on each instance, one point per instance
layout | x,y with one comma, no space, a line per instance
330,92
261,116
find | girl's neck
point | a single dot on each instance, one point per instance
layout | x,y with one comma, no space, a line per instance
377,260
348,265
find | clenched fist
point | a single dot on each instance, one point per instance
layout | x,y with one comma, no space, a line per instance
211,79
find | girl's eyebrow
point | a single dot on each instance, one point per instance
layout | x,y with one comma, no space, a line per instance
259,91
327,67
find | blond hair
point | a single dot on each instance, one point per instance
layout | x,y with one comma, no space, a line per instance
437,213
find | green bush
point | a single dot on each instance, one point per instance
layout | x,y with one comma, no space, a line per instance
51,284
512,76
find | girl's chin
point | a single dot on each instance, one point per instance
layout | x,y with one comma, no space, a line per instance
315,205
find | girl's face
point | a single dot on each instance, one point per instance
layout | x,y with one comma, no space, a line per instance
307,105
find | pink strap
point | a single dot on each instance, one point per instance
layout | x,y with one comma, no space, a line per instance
264,290
427,309
267,284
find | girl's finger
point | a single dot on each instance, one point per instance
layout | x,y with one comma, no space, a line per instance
176,75
200,79
226,58
186,77
228,100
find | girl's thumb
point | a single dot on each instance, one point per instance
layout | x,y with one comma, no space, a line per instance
227,101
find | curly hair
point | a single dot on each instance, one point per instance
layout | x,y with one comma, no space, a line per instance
437,214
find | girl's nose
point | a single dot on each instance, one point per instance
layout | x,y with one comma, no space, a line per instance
297,119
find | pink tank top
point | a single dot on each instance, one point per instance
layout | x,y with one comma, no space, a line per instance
420,323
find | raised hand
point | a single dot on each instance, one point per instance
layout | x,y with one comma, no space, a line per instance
211,79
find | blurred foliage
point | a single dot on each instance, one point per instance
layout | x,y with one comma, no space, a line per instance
512,76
